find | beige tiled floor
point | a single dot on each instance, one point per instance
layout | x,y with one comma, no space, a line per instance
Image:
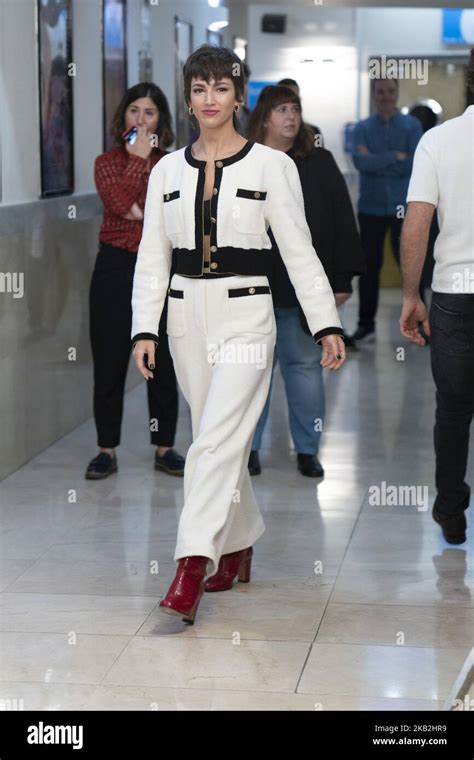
351,606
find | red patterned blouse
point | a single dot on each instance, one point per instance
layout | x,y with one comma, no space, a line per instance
122,180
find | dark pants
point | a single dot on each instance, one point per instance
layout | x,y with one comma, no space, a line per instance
372,234
452,363
110,325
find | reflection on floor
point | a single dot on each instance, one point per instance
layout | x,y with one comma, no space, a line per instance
353,604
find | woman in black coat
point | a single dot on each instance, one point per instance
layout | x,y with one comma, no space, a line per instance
277,122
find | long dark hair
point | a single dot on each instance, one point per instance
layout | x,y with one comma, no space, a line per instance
214,62
145,90
271,97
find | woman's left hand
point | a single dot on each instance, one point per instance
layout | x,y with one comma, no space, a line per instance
333,347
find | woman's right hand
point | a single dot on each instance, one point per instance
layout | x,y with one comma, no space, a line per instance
334,351
143,347
142,146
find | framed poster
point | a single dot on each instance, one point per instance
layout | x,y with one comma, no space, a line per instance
114,61
55,88
183,45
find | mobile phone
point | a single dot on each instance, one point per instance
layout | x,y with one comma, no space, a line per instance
130,135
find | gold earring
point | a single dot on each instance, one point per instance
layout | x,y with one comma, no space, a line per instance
237,108
190,111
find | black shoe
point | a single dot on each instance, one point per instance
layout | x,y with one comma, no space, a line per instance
309,465
364,333
349,342
101,466
171,462
254,463
454,528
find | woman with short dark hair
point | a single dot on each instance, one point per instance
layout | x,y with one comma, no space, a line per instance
208,208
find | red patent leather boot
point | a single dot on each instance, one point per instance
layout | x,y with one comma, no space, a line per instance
237,563
186,589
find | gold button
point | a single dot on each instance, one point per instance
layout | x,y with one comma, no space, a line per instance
219,164
213,265
251,290
167,196
213,220
256,195
213,248
214,192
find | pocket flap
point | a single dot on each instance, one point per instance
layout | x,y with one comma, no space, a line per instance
170,196
257,195
251,291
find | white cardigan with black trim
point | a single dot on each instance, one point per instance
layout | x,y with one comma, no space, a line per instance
256,188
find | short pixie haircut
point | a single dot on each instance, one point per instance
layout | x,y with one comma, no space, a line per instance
213,62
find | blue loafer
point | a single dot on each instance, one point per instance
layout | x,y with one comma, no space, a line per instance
101,466
171,462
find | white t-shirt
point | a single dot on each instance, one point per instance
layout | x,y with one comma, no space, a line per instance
443,174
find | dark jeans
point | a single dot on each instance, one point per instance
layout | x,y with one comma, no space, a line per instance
372,234
110,326
452,363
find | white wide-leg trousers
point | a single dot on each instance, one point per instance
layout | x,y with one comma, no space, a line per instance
222,336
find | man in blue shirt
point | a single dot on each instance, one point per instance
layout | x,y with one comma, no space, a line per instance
384,146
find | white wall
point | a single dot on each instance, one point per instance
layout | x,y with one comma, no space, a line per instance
396,31
333,93
400,30
199,14
19,99
328,85
19,95
87,92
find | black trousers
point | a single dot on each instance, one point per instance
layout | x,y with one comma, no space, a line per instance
110,312
372,234
452,363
